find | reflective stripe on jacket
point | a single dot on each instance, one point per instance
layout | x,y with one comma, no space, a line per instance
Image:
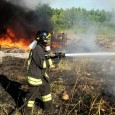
30,104
51,63
34,81
47,98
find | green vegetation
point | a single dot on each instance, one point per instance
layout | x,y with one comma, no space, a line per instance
79,19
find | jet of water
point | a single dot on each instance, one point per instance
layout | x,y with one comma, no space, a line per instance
90,54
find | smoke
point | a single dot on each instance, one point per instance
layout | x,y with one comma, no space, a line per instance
111,3
31,4
22,21
100,66
86,42
113,17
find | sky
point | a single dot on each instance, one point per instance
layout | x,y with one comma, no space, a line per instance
88,4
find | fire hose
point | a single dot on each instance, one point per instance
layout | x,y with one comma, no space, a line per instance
25,103
57,55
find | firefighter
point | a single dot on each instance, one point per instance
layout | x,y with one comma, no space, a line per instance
37,76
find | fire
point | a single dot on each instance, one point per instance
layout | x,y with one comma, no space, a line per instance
9,41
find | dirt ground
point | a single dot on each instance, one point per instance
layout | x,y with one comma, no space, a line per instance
82,86
108,43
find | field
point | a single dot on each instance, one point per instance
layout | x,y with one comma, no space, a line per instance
80,86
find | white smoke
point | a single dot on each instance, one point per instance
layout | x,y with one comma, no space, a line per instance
113,17
112,3
86,42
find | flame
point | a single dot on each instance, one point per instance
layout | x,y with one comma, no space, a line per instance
9,41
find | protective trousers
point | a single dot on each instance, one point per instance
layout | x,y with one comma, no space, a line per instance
44,91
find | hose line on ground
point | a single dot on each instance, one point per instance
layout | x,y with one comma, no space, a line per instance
25,103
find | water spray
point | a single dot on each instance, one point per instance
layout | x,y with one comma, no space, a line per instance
90,54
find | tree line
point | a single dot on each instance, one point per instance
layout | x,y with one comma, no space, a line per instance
78,18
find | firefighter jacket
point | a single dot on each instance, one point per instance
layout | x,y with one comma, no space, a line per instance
37,65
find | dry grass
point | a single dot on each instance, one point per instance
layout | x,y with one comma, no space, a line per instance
83,79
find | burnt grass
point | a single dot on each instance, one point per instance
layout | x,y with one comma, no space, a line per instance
88,82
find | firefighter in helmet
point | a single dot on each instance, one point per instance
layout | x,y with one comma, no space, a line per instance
37,76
